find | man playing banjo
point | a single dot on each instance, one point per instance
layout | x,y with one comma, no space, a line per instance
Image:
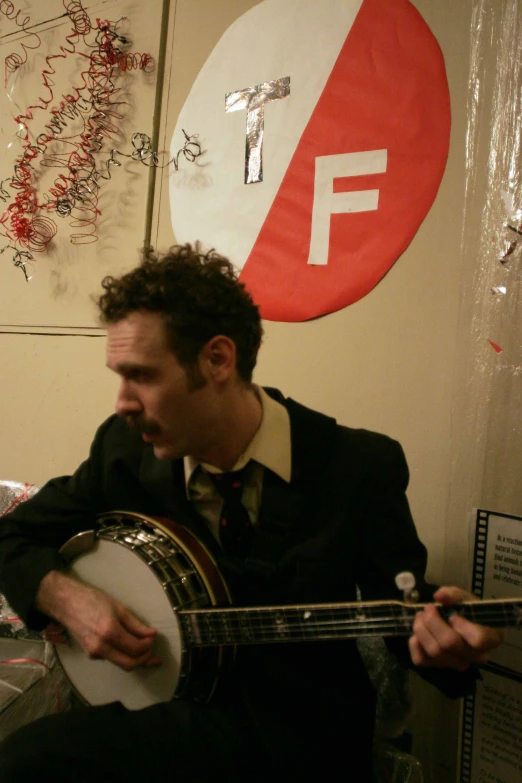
291,507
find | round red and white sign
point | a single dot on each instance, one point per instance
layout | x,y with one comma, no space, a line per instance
326,132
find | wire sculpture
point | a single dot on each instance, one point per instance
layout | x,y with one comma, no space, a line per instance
84,121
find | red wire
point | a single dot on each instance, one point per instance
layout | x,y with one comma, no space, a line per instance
22,496
26,660
74,193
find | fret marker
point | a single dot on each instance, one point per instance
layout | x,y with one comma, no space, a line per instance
307,615
281,624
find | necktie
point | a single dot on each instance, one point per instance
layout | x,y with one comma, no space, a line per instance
235,528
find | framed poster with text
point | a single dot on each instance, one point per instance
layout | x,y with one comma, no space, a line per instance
491,735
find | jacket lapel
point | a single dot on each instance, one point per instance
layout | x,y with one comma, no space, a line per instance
282,505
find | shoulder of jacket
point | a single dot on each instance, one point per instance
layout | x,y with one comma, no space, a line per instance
368,436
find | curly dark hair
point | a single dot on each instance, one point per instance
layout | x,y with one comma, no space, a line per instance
199,296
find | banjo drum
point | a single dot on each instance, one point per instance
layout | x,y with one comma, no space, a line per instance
154,568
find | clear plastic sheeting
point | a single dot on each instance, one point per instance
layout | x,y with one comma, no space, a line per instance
395,766
31,684
11,627
11,494
391,683
487,410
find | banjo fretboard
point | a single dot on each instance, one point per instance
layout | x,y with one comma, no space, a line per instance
263,625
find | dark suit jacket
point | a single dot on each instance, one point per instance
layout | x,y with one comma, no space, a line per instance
342,521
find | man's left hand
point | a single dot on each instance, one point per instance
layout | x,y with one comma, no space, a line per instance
455,644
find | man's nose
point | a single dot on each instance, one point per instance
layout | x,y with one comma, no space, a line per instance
127,403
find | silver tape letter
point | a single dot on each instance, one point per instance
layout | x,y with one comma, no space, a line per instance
253,100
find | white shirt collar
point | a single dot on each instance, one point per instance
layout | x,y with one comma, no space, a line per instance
270,446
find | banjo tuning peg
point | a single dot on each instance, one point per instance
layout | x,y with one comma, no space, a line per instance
405,581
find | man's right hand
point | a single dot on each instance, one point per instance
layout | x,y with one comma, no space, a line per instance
102,626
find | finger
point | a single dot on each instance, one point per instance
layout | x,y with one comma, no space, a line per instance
130,646
113,637
419,657
155,661
452,595
130,663
478,637
135,626
436,636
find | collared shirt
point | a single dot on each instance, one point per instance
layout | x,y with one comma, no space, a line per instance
269,448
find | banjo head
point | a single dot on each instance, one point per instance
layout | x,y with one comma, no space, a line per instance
144,568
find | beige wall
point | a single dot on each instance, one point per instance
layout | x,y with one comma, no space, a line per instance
386,363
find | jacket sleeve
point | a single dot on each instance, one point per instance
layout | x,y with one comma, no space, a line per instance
31,534
387,540
388,544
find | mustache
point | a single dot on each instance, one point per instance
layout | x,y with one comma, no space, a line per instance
143,425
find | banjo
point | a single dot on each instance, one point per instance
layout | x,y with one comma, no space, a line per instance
166,578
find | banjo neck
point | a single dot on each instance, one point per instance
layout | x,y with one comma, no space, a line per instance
321,622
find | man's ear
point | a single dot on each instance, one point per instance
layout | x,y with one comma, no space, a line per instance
218,358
